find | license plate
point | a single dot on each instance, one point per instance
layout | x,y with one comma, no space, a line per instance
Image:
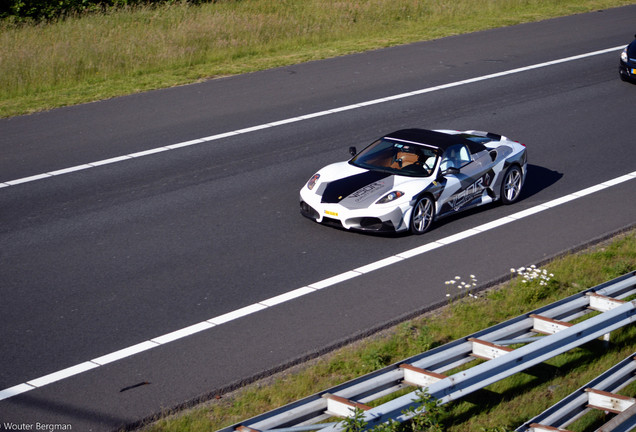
331,213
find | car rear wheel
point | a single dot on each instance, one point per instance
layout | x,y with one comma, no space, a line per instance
422,215
511,186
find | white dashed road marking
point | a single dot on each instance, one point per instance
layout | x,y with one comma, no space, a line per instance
334,280
301,118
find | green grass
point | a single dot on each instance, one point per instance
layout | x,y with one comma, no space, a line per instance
505,404
95,57
98,56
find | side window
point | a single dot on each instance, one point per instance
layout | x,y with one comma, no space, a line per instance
455,157
464,155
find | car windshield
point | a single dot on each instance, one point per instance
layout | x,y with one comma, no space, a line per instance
397,157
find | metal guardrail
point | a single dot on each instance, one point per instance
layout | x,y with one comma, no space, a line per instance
601,394
427,369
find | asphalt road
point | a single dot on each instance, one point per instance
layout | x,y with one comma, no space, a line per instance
102,259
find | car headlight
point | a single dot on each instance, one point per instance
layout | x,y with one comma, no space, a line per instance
312,181
624,55
392,196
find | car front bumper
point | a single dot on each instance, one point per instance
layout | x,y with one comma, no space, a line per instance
390,219
627,71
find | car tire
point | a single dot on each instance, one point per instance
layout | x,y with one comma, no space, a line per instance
511,185
422,215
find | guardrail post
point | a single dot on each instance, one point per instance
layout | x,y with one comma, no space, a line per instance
503,366
425,370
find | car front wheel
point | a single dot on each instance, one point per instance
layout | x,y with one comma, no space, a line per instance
511,186
422,215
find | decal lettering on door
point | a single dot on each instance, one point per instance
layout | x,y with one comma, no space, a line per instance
467,195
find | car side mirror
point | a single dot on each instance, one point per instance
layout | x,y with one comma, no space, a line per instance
451,171
353,151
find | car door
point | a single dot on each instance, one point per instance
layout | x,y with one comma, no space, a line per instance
467,176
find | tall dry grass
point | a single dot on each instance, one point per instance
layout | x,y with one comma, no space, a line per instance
97,56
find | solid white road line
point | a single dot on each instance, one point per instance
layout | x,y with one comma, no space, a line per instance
62,374
123,353
304,117
299,292
239,313
285,297
184,332
294,294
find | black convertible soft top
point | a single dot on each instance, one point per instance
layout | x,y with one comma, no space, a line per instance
435,139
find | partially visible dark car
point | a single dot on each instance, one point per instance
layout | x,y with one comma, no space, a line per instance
627,68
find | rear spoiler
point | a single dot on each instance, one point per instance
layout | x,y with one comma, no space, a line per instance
492,136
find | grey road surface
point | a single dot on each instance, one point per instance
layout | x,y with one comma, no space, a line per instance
102,259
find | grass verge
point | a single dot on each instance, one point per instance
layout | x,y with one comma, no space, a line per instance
506,404
99,56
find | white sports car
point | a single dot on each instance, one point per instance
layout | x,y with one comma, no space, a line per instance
407,179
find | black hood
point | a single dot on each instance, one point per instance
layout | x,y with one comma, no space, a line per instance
337,190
